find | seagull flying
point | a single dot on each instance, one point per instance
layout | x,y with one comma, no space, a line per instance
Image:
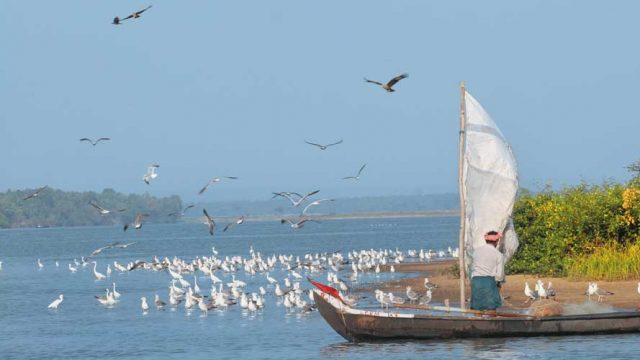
215,180
317,202
182,212
324,147
210,222
357,177
294,202
102,210
135,15
35,193
295,225
237,221
94,143
388,86
151,173
137,223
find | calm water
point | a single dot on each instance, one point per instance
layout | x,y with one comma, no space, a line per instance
81,328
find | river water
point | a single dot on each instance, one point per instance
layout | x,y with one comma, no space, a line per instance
83,329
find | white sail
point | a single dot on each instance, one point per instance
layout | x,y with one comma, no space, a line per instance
490,182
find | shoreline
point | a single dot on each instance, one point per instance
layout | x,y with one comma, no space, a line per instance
625,292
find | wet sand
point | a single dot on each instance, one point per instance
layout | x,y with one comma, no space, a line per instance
568,291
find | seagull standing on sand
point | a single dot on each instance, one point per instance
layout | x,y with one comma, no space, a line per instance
94,143
324,147
528,292
215,180
357,177
55,303
388,86
210,222
35,193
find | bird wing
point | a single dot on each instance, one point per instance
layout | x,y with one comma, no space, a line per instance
97,206
229,225
231,177
311,193
204,188
310,143
102,139
396,79
362,168
139,217
335,143
188,207
348,177
143,10
373,82
87,139
128,17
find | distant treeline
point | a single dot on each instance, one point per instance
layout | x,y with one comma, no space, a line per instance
63,208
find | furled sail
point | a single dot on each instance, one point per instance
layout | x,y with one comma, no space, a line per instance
490,182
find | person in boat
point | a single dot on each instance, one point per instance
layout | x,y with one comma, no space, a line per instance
487,274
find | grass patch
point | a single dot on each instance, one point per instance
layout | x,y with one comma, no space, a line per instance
611,262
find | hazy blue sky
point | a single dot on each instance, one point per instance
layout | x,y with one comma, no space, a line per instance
208,88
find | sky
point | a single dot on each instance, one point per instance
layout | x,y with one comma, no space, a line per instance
234,88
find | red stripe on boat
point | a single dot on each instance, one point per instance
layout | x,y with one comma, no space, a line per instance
327,289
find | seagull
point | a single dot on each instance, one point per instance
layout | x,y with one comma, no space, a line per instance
388,86
35,193
551,291
99,250
143,304
151,173
137,223
123,246
297,225
182,212
210,222
102,210
527,291
323,147
215,180
94,143
301,199
237,221
55,303
159,303
314,203
412,295
135,15
357,177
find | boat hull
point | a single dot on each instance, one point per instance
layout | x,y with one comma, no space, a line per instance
361,325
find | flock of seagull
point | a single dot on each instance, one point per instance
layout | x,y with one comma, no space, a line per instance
219,292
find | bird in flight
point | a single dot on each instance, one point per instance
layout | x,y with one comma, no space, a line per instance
323,147
388,86
135,15
35,193
215,180
317,202
151,173
210,222
137,223
182,212
357,177
102,210
94,143
237,221
295,202
295,225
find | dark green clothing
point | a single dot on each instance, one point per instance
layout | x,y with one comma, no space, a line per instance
484,293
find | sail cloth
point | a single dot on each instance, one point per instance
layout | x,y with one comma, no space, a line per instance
490,182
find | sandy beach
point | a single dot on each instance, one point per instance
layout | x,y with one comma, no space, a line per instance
625,294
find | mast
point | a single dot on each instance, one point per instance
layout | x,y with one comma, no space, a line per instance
461,247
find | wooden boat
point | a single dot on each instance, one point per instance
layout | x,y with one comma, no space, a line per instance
488,183
362,325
